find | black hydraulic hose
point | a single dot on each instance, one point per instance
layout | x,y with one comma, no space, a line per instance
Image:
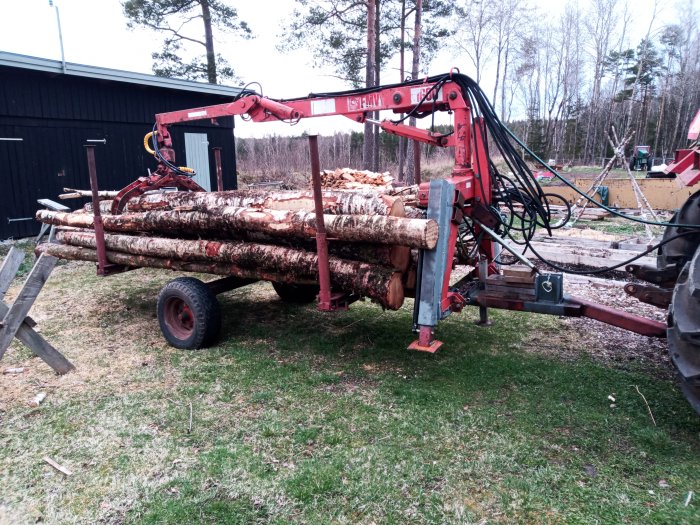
609,268
593,201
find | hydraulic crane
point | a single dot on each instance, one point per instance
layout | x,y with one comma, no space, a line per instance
468,205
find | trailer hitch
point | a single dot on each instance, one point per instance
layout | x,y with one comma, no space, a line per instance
666,277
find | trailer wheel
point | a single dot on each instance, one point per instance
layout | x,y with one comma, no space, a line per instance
296,293
188,313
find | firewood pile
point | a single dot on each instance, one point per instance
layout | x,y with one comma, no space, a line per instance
268,235
349,179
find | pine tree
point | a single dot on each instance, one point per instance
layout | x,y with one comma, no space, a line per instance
172,18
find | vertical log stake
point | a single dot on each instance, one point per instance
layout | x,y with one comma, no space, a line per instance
219,171
324,273
97,221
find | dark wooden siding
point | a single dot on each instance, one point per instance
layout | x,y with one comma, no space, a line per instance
55,115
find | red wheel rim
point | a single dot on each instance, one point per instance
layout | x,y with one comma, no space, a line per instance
178,318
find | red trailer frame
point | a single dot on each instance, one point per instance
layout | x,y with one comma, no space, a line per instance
467,192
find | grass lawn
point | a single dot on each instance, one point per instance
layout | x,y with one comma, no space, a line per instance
303,417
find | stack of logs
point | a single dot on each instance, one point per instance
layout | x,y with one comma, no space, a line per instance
349,179
257,234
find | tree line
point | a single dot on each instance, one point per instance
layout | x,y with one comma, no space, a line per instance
560,81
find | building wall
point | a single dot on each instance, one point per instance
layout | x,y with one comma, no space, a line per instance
56,115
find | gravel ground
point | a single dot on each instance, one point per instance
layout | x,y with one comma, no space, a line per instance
608,343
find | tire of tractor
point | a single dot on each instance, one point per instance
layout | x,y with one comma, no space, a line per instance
188,313
680,250
296,293
684,330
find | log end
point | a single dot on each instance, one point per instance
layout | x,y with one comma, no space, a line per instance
395,292
431,234
396,208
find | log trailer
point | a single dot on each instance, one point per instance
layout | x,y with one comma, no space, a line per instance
468,208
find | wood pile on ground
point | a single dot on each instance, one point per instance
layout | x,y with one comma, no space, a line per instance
350,179
593,253
266,235
591,213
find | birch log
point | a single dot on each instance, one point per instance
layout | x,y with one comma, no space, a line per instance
264,261
415,233
334,202
76,194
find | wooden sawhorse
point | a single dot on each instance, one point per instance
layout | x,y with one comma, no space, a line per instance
15,321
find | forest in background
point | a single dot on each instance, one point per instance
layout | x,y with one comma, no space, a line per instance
560,79
560,82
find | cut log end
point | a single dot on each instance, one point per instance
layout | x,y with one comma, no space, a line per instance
431,234
395,292
396,208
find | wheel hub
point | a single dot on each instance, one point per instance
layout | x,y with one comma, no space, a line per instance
179,317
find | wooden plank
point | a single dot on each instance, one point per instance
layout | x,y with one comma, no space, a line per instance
594,259
511,279
14,317
511,293
53,205
41,348
13,260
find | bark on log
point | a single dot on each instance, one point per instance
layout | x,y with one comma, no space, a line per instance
414,212
105,207
76,253
334,202
396,257
76,194
415,233
381,284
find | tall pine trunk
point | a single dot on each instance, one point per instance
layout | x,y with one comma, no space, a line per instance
370,76
413,154
209,42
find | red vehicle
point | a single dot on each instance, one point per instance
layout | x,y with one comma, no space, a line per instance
467,207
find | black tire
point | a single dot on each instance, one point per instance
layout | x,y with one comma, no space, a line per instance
188,313
679,251
684,330
296,293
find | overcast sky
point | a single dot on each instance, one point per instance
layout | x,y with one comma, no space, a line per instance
95,33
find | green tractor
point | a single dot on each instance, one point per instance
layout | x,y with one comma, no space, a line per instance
641,160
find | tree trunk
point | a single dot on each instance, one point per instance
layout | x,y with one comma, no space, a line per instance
244,260
209,42
377,82
370,75
334,201
402,73
237,222
413,153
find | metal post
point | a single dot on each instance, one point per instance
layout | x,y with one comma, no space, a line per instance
483,274
97,221
324,272
219,173
60,36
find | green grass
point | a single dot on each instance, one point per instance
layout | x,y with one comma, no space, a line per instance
304,417
25,245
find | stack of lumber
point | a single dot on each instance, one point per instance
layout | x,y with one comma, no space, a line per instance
591,213
591,253
349,179
257,234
